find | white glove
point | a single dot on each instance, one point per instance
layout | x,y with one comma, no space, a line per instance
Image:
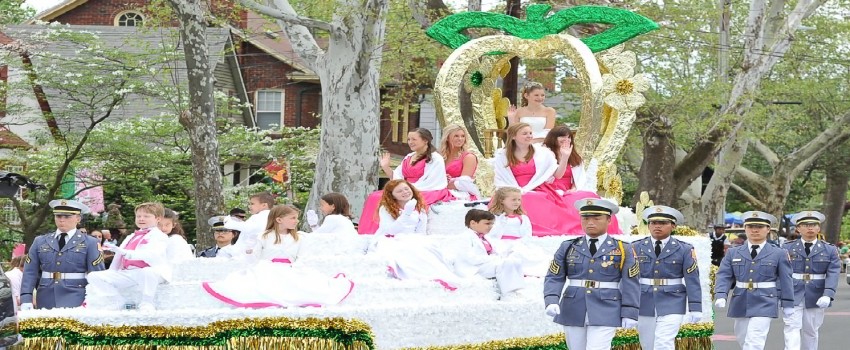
312,218
823,302
629,323
465,184
787,311
694,317
26,306
553,310
116,249
409,207
720,303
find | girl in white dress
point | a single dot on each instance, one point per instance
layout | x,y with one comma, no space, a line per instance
178,249
512,225
401,239
274,281
533,112
337,212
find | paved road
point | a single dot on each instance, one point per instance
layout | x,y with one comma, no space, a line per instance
833,333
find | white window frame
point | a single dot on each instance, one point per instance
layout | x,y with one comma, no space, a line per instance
258,108
117,21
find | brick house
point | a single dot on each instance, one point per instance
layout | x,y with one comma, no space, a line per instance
280,87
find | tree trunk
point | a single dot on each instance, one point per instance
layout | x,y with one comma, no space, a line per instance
199,118
350,72
659,159
835,200
714,198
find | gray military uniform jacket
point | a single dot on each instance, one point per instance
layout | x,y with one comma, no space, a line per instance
677,261
822,260
79,255
614,262
771,265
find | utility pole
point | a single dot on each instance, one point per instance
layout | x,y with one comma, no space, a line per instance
509,83
725,7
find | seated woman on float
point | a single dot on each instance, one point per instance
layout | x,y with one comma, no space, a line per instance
531,167
460,163
424,168
572,181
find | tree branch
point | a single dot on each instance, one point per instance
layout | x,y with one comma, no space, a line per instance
747,196
835,134
766,153
426,12
296,29
287,16
752,179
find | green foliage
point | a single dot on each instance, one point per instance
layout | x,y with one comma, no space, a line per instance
15,12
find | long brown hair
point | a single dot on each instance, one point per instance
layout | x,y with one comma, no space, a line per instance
425,135
551,141
496,206
340,203
279,211
175,219
389,202
528,88
510,148
445,142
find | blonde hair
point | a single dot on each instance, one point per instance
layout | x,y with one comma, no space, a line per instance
496,206
510,147
445,143
528,88
279,211
153,208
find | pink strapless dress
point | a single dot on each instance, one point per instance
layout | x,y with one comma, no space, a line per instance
573,219
544,207
454,169
369,218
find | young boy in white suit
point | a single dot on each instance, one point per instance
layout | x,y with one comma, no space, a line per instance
487,256
140,263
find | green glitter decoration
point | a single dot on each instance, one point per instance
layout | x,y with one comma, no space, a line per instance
625,25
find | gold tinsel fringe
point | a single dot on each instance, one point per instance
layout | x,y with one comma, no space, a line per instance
273,343
701,343
254,343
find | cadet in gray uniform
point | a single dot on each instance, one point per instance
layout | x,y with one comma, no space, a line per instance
223,235
669,281
816,268
758,274
603,279
57,262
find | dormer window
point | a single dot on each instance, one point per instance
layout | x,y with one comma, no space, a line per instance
129,19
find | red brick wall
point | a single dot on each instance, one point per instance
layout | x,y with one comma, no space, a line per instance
99,12
103,12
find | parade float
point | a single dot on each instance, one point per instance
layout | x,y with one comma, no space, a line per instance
386,313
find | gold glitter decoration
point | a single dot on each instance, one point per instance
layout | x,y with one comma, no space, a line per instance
711,275
210,330
608,182
686,231
642,229
697,336
475,55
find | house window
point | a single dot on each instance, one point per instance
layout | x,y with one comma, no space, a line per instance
269,108
129,19
400,119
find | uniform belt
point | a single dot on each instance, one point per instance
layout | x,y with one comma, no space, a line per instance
63,275
594,284
755,285
662,281
808,276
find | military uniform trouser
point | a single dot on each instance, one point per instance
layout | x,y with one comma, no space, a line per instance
801,329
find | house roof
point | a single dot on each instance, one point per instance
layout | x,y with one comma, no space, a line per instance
9,139
132,40
277,46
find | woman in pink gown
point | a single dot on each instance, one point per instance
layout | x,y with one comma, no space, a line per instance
460,163
424,168
530,167
572,182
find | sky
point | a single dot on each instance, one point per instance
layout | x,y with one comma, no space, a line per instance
41,5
